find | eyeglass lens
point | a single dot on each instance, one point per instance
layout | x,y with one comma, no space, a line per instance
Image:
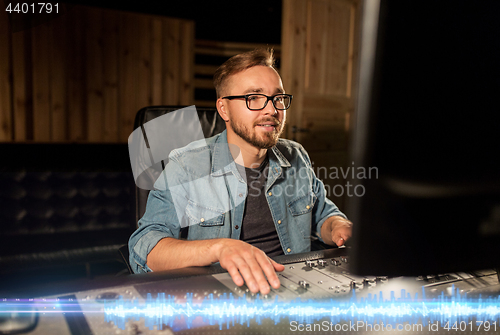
256,101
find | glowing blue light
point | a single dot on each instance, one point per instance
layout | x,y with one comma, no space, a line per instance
228,310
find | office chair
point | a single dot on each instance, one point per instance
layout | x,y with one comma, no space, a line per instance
211,124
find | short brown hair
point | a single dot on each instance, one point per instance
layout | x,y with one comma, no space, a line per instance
239,63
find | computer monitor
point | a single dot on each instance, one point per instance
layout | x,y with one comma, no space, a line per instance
427,122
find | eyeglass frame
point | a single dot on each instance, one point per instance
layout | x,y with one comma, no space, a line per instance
231,97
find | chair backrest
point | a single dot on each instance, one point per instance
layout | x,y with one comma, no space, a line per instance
211,124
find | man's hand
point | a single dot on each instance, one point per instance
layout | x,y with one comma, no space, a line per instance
246,263
336,230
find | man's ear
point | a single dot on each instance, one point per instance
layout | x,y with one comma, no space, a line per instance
221,108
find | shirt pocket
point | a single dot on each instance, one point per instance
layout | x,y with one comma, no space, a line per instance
204,216
301,210
303,204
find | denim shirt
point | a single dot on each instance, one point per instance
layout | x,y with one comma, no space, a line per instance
201,188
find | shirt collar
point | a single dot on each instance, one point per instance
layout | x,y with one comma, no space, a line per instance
223,162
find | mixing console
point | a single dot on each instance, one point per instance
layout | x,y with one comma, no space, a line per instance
312,285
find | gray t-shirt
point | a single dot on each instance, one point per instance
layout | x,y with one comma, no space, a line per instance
258,227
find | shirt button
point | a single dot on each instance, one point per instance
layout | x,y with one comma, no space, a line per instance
279,221
288,250
270,193
240,195
202,220
237,227
307,207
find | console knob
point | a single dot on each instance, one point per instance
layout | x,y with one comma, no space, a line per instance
322,262
344,259
383,279
336,262
358,284
303,284
310,264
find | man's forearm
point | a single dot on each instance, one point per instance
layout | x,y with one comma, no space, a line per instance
171,253
244,262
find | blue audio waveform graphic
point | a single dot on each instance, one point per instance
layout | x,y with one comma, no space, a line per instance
227,310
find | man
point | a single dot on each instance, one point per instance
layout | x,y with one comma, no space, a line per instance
242,193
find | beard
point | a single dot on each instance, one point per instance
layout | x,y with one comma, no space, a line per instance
266,140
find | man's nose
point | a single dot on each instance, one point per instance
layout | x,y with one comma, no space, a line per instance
269,109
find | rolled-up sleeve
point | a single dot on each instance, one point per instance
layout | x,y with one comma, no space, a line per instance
324,209
159,221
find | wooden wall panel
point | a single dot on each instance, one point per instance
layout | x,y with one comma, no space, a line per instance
293,59
338,68
22,94
316,53
318,67
186,52
127,73
329,52
41,83
94,78
58,65
171,69
110,72
5,80
83,76
330,128
144,95
156,61
77,101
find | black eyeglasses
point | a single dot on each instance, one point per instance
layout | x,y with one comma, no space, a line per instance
257,102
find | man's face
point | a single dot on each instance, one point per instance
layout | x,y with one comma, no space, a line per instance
260,128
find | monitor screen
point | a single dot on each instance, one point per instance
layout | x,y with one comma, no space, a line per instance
427,121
